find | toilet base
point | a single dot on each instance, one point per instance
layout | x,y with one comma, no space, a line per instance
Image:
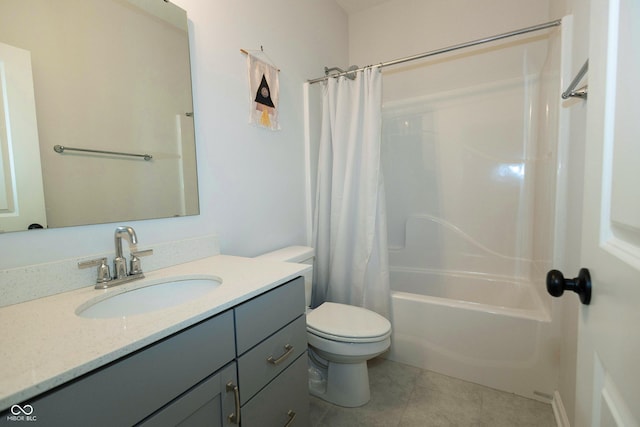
347,385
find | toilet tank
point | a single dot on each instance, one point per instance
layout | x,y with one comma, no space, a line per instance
297,254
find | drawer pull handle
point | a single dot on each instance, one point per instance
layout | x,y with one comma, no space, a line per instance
288,349
292,417
234,417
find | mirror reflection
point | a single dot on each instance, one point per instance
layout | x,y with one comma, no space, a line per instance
102,75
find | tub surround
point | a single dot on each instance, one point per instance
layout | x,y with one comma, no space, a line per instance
45,343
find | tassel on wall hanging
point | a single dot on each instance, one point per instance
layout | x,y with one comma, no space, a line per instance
264,90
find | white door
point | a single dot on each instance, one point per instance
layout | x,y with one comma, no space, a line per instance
608,374
21,190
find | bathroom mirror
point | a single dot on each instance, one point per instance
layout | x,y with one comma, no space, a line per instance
110,76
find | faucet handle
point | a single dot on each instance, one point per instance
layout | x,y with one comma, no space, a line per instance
104,275
136,267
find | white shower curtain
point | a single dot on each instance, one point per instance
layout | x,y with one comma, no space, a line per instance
350,230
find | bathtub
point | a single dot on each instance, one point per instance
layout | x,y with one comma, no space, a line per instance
483,329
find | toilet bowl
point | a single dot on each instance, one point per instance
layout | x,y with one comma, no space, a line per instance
341,339
345,337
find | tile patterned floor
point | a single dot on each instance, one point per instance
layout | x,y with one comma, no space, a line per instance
405,396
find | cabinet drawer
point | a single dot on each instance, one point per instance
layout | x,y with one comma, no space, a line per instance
284,398
258,318
282,348
132,388
207,404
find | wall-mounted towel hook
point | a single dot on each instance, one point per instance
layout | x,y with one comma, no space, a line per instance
571,91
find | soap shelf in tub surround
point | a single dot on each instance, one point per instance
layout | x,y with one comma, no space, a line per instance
51,345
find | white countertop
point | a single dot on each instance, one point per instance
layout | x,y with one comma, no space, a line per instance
43,343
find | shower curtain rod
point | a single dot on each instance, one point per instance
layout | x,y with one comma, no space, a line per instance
538,27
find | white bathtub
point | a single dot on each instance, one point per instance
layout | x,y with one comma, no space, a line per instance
483,329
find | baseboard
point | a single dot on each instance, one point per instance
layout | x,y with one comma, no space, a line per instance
559,412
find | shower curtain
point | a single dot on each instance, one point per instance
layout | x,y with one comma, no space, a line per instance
350,231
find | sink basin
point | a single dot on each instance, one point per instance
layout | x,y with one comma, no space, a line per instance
149,298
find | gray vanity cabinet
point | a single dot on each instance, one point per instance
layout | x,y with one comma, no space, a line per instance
245,366
271,339
132,388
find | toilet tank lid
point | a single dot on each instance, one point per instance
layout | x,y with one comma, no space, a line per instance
290,254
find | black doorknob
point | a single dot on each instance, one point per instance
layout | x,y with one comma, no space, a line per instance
557,284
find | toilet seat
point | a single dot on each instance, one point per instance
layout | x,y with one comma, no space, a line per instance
346,323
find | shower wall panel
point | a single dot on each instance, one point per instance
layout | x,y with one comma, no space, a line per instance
459,169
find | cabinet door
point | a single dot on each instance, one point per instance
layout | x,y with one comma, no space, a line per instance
284,402
210,403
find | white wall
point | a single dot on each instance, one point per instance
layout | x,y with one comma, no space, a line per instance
400,28
251,180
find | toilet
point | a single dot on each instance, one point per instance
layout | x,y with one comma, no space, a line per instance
341,339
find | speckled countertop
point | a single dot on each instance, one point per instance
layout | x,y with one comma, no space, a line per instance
43,343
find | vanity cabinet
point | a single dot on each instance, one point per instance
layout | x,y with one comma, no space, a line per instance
271,339
245,366
130,389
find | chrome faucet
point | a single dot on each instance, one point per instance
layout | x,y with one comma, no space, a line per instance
120,262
